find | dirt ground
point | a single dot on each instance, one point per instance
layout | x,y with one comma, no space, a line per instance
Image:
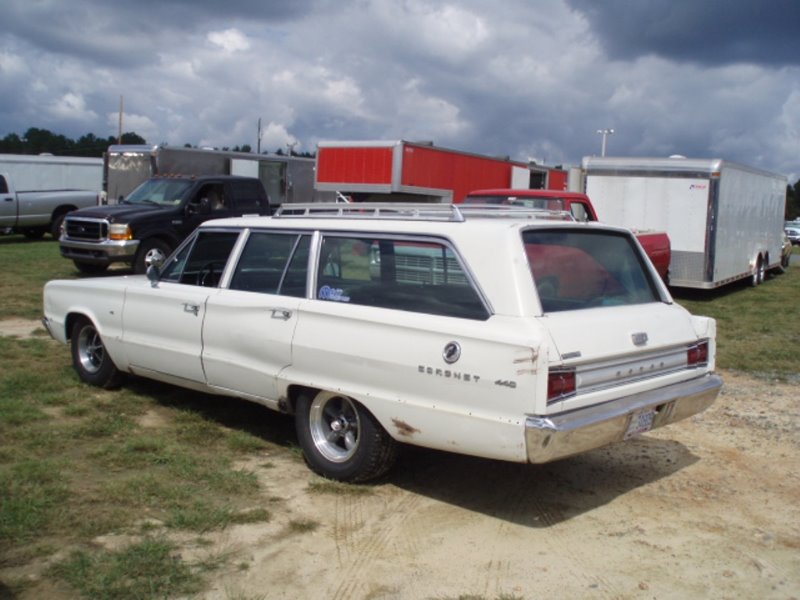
706,508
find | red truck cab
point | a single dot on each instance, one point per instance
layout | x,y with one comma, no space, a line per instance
655,243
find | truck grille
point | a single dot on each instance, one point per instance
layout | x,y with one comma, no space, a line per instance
86,229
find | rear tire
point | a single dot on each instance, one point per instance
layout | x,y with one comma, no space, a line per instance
340,438
89,357
55,226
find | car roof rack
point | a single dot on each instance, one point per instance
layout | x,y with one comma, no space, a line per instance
414,211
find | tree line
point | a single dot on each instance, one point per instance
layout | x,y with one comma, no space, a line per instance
42,141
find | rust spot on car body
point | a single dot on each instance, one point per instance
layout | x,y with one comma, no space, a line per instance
404,429
531,356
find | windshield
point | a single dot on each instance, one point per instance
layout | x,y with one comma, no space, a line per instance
541,203
577,269
164,192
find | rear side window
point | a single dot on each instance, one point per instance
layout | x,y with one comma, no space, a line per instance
273,263
3,185
412,275
583,269
246,195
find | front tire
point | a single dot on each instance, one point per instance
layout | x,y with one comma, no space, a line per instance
340,438
89,356
151,252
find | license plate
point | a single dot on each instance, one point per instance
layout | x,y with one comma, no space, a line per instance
640,423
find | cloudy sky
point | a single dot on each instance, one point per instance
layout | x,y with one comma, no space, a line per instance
524,78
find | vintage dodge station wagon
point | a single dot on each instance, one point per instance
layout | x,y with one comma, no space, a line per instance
511,334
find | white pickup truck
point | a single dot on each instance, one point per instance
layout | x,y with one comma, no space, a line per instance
34,213
510,334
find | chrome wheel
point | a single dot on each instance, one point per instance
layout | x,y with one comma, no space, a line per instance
91,351
334,425
90,358
154,257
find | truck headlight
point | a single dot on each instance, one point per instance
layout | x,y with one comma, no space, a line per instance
119,231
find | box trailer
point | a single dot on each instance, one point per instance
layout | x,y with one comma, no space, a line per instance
47,173
399,170
286,178
725,220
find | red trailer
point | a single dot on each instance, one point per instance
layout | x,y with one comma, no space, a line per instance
399,170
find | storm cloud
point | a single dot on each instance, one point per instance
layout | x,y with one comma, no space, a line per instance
517,78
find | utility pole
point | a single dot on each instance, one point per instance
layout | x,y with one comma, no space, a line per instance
605,133
258,144
119,128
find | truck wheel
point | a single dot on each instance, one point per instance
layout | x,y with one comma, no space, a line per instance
340,439
89,356
151,252
89,268
55,226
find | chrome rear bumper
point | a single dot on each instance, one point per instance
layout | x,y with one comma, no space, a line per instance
564,434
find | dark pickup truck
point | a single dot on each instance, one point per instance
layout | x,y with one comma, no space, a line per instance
145,227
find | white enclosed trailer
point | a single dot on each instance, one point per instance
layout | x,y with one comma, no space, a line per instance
47,173
725,220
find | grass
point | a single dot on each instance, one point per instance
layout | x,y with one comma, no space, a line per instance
757,328
68,450
26,266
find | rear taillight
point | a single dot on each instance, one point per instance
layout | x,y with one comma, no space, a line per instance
697,355
560,384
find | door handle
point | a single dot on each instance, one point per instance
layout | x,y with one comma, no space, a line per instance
281,313
191,308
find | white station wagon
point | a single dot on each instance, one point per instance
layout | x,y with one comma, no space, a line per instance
504,333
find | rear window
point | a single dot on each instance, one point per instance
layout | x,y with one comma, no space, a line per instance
574,270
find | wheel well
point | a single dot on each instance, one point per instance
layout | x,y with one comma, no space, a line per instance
62,210
168,240
70,321
292,394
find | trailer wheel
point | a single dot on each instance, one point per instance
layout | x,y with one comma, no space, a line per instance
340,438
758,273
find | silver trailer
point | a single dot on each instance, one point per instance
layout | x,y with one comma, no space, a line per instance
724,220
286,179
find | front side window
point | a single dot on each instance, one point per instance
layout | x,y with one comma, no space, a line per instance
412,275
273,263
201,261
583,269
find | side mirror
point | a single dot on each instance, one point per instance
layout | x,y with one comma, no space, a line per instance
153,274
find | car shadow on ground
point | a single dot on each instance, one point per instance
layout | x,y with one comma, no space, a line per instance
540,495
530,495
